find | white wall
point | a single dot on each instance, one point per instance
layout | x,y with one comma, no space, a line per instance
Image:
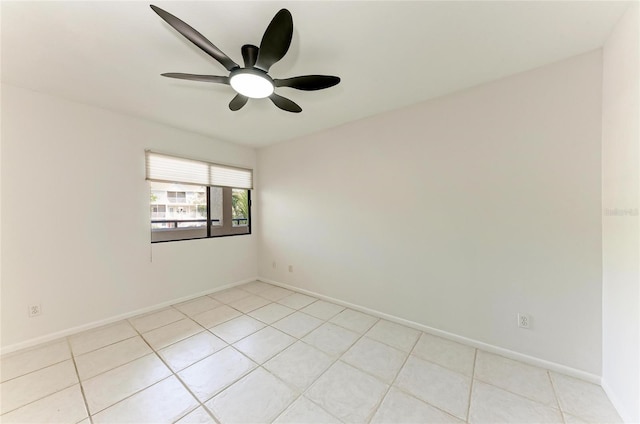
457,213
75,217
620,222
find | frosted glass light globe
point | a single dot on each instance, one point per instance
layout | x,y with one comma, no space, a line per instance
251,83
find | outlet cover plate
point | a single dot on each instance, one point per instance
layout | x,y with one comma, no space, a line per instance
524,321
34,310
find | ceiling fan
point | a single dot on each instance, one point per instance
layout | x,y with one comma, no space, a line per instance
252,80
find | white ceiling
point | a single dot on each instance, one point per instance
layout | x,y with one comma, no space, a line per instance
389,55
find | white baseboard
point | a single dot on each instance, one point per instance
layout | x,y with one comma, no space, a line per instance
69,331
552,366
622,411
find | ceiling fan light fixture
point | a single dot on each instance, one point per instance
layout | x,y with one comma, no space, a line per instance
251,83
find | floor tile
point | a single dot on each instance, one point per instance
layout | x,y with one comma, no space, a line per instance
66,406
188,351
255,287
347,393
216,316
436,385
264,344
215,372
522,379
375,358
112,386
275,293
299,365
172,333
237,328
331,339
112,356
25,361
36,385
156,319
398,407
229,295
393,334
100,337
198,416
164,402
354,320
249,303
297,300
584,400
298,324
323,310
196,306
491,405
449,354
307,412
271,313
572,419
257,398
124,380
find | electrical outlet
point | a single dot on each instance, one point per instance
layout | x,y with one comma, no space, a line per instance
290,268
34,310
273,264
524,321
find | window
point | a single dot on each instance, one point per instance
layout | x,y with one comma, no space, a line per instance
177,196
240,207
158,211
192,199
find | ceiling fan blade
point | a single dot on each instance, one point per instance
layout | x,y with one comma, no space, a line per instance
249,54
192,77
285,104
308,82
237,102
276,40
196,38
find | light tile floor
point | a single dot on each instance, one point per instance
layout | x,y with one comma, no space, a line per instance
259,354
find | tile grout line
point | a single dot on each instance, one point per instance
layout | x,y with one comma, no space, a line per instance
39,399
377,407
138,334
33,371
337,358
108,344
555,394
149,313
230,345
520,395
72,357
75,367
173,374
473,377
153,351
329,321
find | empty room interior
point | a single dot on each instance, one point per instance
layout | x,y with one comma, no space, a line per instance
320,212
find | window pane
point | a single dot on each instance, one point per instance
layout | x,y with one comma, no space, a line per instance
178,211
240,207
216,206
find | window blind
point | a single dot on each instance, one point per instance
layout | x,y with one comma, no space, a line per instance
172,169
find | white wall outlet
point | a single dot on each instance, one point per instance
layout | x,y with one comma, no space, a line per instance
524,321
34,310
290,268
273,264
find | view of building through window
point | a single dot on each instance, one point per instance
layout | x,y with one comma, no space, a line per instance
179,211
178,206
